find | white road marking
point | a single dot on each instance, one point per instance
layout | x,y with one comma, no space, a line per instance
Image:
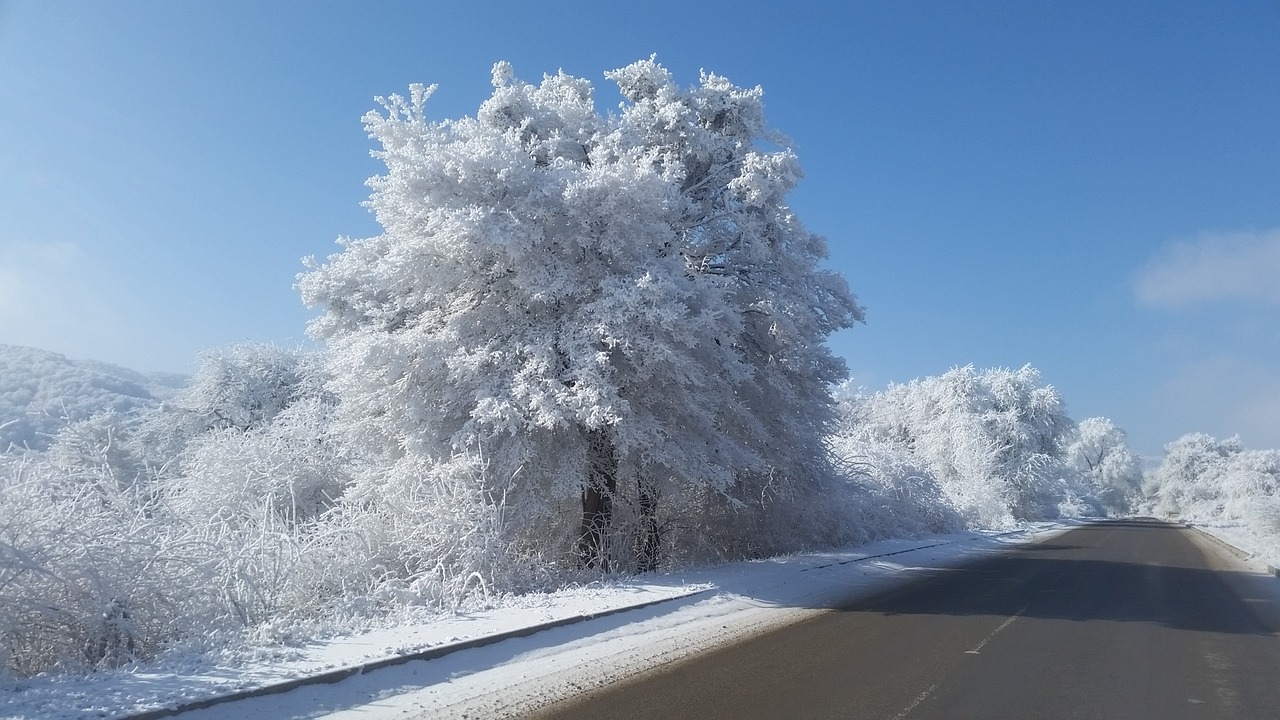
987,639
915,703
934,687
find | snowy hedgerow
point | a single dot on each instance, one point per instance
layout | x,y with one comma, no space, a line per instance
1205,478
213,512
92,573
890,491
993,440
255,465
615,314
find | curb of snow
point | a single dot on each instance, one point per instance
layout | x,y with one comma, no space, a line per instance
914,549
333,676
342,673
1238,552
1242,554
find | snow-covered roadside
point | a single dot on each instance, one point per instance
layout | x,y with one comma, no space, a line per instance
747,597
1260,546
638,624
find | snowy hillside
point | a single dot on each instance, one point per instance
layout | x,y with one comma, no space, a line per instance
40,391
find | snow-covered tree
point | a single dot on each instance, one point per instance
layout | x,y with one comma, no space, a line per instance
992,439
1207,478
1100,453
619,313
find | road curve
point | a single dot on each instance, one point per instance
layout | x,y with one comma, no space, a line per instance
1120,619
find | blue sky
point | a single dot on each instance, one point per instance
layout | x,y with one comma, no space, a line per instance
1089,187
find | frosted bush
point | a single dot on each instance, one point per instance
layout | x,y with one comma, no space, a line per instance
246,386
439,533
94,575
293,469
264,496
243,387
91,574
892,493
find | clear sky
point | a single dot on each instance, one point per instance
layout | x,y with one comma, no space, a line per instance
1089,187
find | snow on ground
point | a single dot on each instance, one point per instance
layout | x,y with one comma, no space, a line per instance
1262,545
635,625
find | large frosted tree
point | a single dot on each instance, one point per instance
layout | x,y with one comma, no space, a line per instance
619,312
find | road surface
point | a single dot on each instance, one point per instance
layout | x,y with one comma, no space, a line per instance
1122,619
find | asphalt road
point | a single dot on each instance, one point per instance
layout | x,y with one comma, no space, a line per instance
1123,619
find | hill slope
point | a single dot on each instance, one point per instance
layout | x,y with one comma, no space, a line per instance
40,391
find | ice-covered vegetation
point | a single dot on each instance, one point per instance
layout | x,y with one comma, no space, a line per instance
986,448
584,344
1218,482
614,319
41,391
242,509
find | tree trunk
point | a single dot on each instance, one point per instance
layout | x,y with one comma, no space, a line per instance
597,500
649,544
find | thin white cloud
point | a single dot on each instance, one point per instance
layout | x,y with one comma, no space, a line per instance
1235,268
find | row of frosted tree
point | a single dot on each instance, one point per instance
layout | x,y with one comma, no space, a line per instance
242,508
584,344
